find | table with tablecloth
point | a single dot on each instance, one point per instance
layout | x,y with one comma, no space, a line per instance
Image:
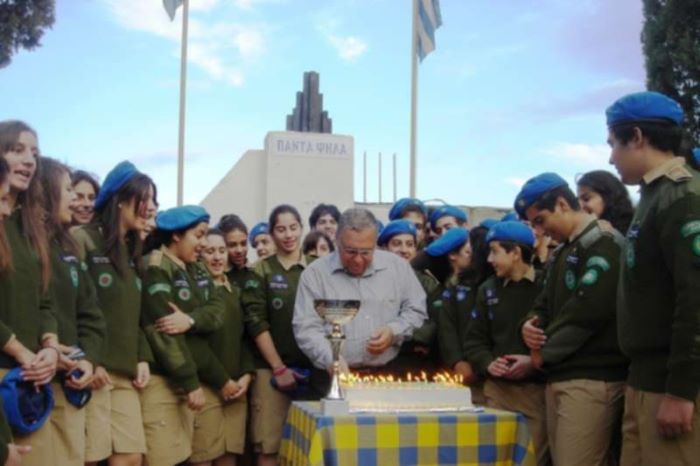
490,437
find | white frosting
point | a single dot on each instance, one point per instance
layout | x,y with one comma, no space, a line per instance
407,396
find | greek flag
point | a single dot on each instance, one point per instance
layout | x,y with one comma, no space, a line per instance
429,19
171,7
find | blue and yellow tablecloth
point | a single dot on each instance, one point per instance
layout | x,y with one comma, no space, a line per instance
488,438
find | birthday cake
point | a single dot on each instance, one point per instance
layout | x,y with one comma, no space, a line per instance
389,395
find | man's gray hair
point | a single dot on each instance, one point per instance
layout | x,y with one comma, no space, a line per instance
356,219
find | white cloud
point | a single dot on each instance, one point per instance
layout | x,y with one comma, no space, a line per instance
349,48
588,155
219,48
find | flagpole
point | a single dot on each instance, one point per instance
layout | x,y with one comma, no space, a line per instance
183,94
414,92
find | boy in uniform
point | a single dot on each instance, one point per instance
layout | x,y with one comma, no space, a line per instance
659,296
571,331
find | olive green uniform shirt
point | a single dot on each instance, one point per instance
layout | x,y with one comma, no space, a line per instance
119,298
185,359
577,308
26,310
453,320
80,320
659,291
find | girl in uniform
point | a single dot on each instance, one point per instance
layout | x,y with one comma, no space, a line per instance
269,306
81,326
181,311
110,249
236,235
318,244
261,240
28,328
603,195
86,188
234,353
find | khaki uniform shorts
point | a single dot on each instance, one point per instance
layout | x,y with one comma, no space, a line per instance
525,398
268,412
67,430
583,417
235,417
168,423
208,441
642,445
98,433
41,442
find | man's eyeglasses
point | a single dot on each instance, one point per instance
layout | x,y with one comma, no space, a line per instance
362,252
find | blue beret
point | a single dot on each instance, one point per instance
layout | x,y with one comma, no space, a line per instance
534,188
396,227
77,398
696,154
488,223
397,209
261,228
26,408
444,211
511,231
454,238
509,216
118,177
644,106
180,218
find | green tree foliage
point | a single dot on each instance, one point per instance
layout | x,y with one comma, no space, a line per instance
671,38
22,23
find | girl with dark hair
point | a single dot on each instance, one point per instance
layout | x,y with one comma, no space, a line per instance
318,244
28,328
235,234
110,248
86,189
269,306
81,326
603,195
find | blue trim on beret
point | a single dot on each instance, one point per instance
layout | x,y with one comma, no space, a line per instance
444,211
510,216
397,209
396,227
511,231
181,218
116,178
644,106
534,188
26,408
454,238
261,228
488,223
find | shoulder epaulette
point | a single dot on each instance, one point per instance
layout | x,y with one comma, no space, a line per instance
679,174
155,258
85,241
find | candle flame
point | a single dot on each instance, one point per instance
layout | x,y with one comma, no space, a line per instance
441,378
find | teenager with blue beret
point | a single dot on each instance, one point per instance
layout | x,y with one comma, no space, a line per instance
488,223
413,210
534,188
109,250
261,240
648,106
512,215
512,231
450,241
396,227
445,218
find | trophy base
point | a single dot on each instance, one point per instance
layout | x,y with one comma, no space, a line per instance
334,407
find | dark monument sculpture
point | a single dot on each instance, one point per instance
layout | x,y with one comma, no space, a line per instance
308,115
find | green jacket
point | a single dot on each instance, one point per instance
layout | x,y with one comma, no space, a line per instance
425,335
119,298
80,320
239,277
187,358
496,318
229,342
453,321
577,309
659,292
25,310
268,305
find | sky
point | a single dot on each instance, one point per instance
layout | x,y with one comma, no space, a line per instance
514,88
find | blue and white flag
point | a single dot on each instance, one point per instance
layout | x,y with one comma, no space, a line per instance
171,7
429,19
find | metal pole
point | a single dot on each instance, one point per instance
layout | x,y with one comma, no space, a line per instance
380,177
183,94
364,177
394,157
414,86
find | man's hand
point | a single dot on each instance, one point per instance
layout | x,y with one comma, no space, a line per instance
519,366
675,416
143,375
195,399
498,367
533,335
79,383
464,369
42,368
175,323
100,378
15,453
380,340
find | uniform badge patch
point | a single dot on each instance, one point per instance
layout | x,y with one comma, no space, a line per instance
461,295
184,294
138,283
157,287
475,314
696,245
105,280
598,261
446,294
277,303
630,258
590,277
83,266
690,228
249,284
74,276
570,279
437,303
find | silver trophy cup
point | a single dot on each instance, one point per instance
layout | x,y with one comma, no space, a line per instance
336,312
